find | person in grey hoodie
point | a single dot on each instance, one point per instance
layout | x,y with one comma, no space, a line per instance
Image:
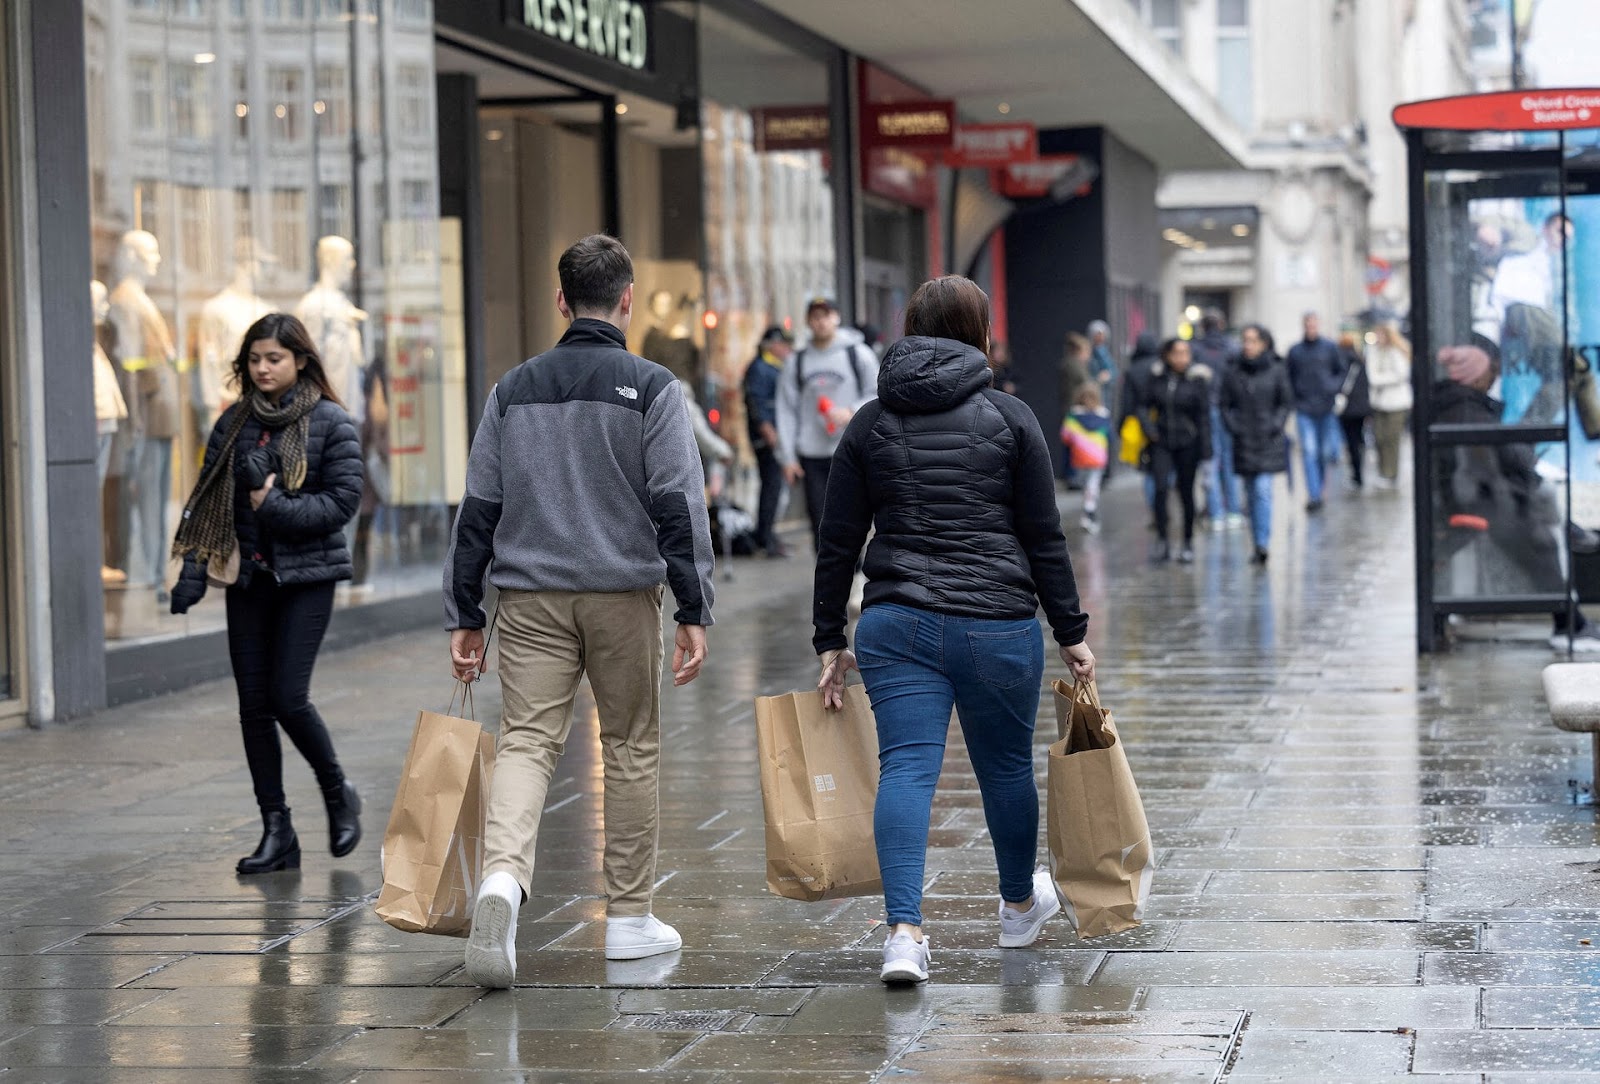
828,380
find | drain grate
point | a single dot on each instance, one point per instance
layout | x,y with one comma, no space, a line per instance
686,1021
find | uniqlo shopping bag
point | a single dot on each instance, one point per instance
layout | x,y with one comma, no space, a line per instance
1100,854
819,781
433,847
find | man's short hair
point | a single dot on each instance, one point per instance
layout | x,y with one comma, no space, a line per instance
594,273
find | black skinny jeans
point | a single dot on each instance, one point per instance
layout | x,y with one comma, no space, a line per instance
816,480
1355,443
771,493
1164,464
273,636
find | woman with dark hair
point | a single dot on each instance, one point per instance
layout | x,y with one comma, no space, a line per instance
958,483
1257,403
1176,417
281,478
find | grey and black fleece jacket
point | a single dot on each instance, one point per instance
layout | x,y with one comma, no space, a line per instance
584,476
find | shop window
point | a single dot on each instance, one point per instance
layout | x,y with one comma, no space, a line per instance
289,241
1235,74
333,210
144,81
332,106
191,102
283,92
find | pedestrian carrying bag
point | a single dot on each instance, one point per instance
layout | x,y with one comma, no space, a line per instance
1100,854
819,782
1131,450
433,847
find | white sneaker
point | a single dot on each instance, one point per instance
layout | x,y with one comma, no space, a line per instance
492,946
1235,520
1018,929
636,938
1586,640
905,959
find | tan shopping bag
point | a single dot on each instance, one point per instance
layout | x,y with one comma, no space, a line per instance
433,848
1100,854
819,780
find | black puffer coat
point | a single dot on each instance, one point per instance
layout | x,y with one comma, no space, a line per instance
1256,404
1176,411
296,537
959,484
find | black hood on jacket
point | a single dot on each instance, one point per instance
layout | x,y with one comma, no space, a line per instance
1146,346
920,375
1259,362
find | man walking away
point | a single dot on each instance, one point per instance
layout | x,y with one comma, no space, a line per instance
761,416
1224,506
820,390
584,492
1316,373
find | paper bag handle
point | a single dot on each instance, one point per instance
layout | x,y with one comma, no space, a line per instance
464,688
1087,693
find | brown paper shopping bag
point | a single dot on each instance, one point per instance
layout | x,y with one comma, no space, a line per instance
819,780
433,847
1100,854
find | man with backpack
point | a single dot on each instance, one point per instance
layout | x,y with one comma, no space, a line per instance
819,391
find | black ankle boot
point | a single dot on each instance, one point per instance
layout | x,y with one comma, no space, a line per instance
344,818
279,847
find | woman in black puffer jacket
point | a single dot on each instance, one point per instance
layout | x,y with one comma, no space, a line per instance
1176,417
1257,403
281,479
958,482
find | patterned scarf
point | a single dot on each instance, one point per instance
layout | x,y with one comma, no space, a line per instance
206,531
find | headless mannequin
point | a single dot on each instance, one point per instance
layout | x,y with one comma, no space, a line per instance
150,387
109,406
224,319
335,323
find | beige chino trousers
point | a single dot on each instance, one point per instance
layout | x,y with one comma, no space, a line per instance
548,641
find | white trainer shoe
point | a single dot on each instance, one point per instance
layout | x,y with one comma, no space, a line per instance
905,959
1019,929
492,946
636,938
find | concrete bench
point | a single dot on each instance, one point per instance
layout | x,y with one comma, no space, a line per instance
1572,690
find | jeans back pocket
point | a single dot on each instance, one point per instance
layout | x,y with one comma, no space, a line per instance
1007,658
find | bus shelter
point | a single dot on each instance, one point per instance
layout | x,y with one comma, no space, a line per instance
1505,329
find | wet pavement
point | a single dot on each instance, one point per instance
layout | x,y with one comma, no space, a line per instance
1369,867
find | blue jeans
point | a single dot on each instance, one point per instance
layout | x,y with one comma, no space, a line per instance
1319,446
1258,487
917,665
1222,485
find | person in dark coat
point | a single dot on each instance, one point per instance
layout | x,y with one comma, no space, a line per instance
1176,417
761,419
1213,350
957,481
1256,404
1353,404
1316,373
280,480
1135,379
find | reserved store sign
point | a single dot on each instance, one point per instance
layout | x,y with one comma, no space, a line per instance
616,30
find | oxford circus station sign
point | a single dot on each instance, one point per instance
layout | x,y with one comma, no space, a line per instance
616,30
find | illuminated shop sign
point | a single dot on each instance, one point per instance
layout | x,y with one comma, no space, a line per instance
615,30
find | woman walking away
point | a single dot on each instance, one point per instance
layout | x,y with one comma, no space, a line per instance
957,481
1353,404
1256,404
1176,416
281,478
1389,373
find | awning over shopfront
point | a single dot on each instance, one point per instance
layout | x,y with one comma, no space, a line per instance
1056,63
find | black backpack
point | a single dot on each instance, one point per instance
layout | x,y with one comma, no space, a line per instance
855,366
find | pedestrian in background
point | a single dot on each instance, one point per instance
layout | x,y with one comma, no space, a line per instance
1389,374
1000,362
1316,373
1353,404
1176,416
958,481
1142,366
1256,404
1102,366
1086,434
280,479
584,493
1075,358
1213,350
822,386
761,419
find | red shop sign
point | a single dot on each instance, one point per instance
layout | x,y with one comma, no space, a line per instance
926,125
979,146
791,127
1506,111
1031,180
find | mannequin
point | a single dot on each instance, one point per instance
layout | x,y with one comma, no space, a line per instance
669,341
150,387
335,323
224,319
109,407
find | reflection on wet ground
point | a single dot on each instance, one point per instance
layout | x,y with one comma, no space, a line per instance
1369,867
